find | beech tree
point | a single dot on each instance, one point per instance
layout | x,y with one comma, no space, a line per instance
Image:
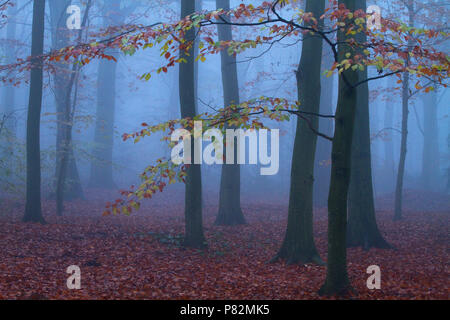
33,210
101,174
362,226
8,91
193,195
70,102
298,244
388,53
62,75
230,212
322,164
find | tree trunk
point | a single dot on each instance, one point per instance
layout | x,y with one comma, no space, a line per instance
430,155
337,282
362,229
298,244
33,210
61,79
101,167
403,146
193,195
198,8
68,120
101,175
9,90
230,212
322,165
404,141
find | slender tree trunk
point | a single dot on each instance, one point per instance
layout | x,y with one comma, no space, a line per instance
198,8
9,90
68,120
298,244
362,229
193,195
230,212
430,155
33,210
404,142
337,282
61,79
403,146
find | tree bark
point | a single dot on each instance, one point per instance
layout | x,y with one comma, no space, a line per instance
298,244
337,282
362,228
193,195
33,210
322,167
230,212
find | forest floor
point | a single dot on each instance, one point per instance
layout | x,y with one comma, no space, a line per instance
141,257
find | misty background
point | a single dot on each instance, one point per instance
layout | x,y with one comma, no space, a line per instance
260,72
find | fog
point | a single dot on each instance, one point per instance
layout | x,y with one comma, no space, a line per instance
111,98
270,73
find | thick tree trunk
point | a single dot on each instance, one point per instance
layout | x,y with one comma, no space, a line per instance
430,155
362,229
298,244
322,166
33,210
193,195
337,282
61,79
230,212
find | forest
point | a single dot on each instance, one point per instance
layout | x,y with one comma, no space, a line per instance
224,150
